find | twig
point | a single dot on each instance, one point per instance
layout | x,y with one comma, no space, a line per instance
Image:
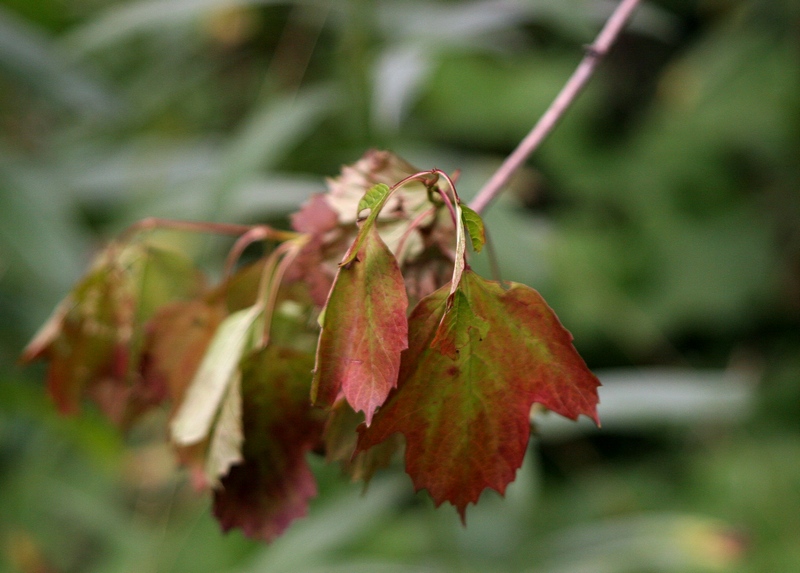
564,99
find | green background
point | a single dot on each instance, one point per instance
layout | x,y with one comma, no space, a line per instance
661,221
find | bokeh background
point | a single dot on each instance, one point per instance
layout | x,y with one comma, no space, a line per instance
661,220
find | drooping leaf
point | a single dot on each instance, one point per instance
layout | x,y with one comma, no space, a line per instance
273,485
225,447
196,413
364,331
93,341
86,341
175,342
467,384
475,228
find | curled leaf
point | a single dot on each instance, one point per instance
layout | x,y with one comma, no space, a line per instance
196,413
475,228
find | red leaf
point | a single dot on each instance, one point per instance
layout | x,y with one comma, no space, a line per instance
272,487
364,331
315,216
467,384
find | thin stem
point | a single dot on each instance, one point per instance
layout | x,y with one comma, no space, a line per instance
152,223
561,103
254,234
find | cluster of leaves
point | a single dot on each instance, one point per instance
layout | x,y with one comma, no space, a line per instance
456,377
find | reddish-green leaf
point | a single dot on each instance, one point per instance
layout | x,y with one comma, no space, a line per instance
176,340
364,331
467,384
93,340
87,341
273,485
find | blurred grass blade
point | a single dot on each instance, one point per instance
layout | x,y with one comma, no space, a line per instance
30,56
312,542
642,398
267,136
122,21
663,542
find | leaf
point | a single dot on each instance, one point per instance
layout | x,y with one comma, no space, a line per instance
364,332
88,338
225,449
475,228
373,199
315,216
176,340
263,495
195,415
467,384
93,339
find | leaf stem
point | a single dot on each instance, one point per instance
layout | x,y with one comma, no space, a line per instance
561,103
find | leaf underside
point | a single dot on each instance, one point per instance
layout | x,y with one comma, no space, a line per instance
467,384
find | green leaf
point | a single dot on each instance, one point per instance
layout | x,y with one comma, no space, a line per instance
467,382
475,228
373,199
195,415
364,331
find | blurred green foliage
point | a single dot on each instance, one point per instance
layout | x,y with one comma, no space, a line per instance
661,221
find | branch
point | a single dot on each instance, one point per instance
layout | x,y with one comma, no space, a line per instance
564,99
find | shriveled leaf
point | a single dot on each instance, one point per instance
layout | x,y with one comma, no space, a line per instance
375,166
87,340
467,384
274,484
460,259
364,331
193,419
225,449
475,228
94,339
159,275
